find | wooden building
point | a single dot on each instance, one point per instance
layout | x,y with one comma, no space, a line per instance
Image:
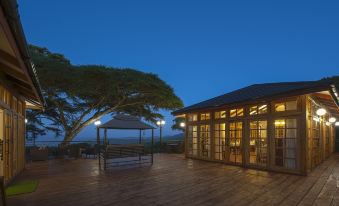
285,127
19,89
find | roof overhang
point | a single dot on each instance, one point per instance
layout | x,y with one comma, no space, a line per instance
317,88
16,66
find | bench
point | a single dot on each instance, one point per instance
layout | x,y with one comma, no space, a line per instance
123,155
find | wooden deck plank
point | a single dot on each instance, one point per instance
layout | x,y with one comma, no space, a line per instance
174,180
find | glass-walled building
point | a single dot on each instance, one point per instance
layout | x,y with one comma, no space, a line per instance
286,127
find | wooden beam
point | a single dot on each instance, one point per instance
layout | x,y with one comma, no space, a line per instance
6,57
11,71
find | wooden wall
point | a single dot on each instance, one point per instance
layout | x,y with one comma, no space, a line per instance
12,133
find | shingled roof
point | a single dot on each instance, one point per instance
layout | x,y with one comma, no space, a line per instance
257,92
121,121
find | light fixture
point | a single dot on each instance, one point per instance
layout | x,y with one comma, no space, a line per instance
328,123
321,111
97,123
26,121
337,124
182,124
332,119
161,122
316,119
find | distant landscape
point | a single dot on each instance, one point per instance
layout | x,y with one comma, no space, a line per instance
119,140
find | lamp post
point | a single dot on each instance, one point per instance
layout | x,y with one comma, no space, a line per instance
97,124
160,124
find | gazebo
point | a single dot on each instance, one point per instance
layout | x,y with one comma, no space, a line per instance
124,153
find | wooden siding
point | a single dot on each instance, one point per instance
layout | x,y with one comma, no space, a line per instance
12,111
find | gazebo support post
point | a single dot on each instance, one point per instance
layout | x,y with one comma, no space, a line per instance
105,135
140,136
98,146
152,142
139,143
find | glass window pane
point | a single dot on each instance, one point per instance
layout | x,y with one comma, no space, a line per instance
291,133
222,126
290,163
280,107
223,114
262,124
233,112
240,112
253,110
291,105
262,109
291,123
290,143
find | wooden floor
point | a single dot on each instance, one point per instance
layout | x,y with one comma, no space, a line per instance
173,180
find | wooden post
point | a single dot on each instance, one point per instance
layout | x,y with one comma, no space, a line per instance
98,146
152,142
2,192
160,140
140,136
140,143
105,135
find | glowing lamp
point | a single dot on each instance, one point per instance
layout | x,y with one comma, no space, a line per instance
182,124
337,124
26,121
97,123
161,122
332,119
316,119
328,123
321,112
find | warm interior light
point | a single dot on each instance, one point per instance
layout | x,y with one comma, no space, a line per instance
332,119
97,123
182,124
328,123
316,119
277,122
321,111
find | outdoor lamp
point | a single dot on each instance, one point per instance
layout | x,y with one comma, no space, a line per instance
182,124
161,122
332,119
26,121
97,123
321,111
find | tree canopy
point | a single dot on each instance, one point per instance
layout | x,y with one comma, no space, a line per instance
78,95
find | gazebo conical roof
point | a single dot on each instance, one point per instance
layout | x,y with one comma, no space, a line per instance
122,121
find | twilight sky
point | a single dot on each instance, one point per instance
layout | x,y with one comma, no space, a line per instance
201,48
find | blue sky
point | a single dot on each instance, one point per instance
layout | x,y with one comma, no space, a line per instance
201,48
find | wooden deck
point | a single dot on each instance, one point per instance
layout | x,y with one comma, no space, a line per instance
173,180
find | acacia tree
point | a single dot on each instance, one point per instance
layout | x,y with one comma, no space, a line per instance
76,96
